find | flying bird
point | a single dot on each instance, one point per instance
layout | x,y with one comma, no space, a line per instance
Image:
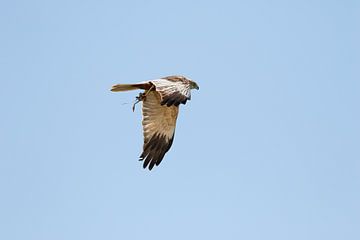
161,100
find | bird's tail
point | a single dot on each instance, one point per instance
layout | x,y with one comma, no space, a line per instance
129,87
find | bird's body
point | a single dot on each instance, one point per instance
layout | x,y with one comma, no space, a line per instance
161,101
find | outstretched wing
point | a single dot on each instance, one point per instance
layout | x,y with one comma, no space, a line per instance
159,127
172,92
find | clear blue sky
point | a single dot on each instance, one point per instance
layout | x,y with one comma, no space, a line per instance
269,148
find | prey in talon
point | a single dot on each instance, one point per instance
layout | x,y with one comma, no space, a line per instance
139,98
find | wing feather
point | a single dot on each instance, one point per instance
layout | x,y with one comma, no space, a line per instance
172,92
159,124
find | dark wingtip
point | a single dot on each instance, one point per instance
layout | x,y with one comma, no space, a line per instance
148,164
151,165
154,151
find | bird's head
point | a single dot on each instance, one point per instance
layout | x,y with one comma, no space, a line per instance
193,85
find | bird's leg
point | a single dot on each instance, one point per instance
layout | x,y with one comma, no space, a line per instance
147,91
142,97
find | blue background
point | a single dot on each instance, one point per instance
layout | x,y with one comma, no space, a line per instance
268,148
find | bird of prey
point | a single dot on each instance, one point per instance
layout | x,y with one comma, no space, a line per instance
161,100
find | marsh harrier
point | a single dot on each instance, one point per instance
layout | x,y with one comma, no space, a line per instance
161,100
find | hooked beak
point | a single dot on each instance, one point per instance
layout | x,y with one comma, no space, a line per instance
196,86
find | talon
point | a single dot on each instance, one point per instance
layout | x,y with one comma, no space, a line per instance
139,98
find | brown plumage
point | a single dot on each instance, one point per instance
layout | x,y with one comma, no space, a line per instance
129,87
161,101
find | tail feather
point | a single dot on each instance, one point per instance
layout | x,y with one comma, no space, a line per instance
129,87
